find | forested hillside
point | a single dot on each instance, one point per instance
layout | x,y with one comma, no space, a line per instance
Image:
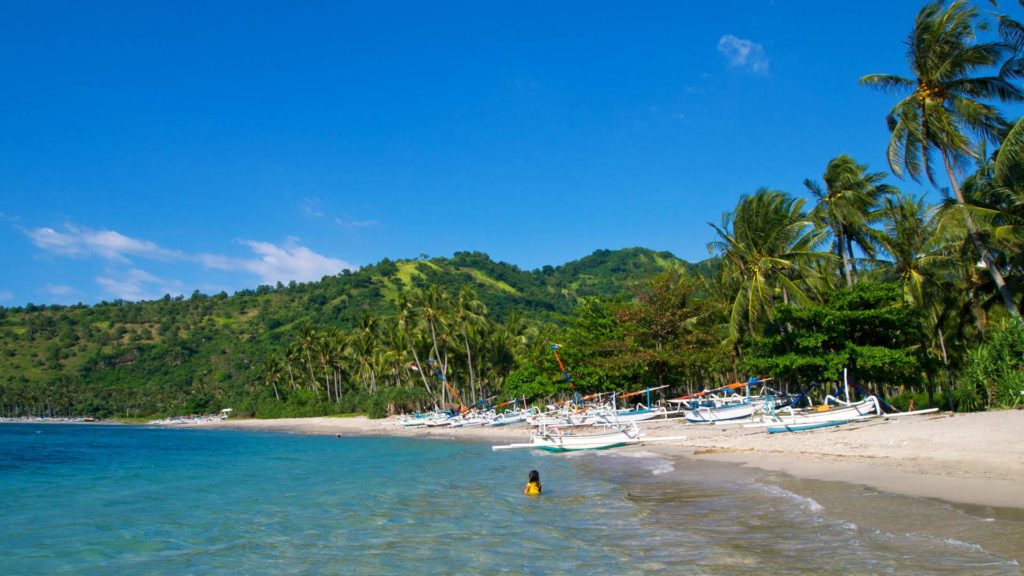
196,354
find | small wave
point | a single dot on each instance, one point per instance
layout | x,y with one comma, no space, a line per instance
662,467
654,462
967,545
810,503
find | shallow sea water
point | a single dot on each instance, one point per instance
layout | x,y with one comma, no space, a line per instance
134,500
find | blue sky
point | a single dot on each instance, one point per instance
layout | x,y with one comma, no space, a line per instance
150,148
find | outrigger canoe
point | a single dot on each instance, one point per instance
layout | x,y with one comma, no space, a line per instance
554,439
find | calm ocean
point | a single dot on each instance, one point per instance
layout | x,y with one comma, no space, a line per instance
115,500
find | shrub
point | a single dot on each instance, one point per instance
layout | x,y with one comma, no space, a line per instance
993,374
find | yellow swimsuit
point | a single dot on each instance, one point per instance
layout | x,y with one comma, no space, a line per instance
533,488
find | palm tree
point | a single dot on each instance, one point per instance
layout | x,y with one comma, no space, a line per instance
434,305
291,358
921,257
337,349
469,310
997,201
845,205
945,104
308,342
365,348
765,244
925,261
272,372
407,317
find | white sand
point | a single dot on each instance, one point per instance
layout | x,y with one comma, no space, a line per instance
968,458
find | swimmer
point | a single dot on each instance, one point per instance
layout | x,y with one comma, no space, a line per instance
533,485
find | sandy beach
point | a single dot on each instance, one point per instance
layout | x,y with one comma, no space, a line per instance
973,458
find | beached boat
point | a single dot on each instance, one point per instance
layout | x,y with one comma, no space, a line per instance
787,416
723,404
724,412
470,420
511,417
608,416
554,439
417,419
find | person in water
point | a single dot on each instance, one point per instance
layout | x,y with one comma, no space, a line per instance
533,485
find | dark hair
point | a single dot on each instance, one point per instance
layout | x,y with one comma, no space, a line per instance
534,476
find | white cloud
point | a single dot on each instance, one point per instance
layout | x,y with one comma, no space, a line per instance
270,263
311,208
59,290
108,244
348,222
314,209
279,263
4,295
135,284
744,53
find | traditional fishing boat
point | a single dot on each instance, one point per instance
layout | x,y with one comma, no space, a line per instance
825,413
511,417
724,412
555,439
471,419
611,416
722,404
418,419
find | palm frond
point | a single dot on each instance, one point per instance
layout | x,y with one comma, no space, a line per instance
887,83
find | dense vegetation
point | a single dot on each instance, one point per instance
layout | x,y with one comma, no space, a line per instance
919,301
197,354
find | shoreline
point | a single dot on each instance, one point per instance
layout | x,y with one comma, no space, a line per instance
974,459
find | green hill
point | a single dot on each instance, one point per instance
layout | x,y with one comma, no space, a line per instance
193,354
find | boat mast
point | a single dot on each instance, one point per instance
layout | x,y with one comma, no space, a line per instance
554,348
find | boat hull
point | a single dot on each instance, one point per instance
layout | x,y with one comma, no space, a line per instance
553,441
722,413
803,427
864,409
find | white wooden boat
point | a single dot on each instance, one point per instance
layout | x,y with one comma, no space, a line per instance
609,417
418,419
509,418
724,412
413,422
867,408
468,421
556,439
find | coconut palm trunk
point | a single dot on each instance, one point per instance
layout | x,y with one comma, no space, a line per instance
945,111
469,360
972,233
419,367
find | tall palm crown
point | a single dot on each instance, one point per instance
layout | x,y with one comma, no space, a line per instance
845,205
920,255
764,245
945,105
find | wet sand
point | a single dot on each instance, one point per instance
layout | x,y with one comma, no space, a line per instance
975,459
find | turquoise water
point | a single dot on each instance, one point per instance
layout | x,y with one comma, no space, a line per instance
130,500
